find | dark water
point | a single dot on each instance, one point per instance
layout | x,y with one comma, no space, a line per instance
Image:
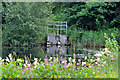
42,51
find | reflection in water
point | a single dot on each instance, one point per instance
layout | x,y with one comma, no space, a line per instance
56,50
42,51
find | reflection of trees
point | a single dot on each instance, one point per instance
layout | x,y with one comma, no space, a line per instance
21,52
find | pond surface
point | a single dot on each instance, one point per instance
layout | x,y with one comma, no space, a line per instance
44,51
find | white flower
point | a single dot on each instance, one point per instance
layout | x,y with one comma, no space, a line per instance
85,57
50,57
104,62
106,49
35,59
35,66
25,65
91,60
96,63
19,60
98,59
83,63
73,60
0,58
7,59
97,55
63,62
10,55
70,58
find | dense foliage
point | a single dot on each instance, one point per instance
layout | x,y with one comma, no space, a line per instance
88,21
24,23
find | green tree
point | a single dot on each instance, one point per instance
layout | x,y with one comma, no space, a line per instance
24,23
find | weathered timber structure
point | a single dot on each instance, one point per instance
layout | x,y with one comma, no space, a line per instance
56,32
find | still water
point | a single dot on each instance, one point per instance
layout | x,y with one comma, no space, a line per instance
44,51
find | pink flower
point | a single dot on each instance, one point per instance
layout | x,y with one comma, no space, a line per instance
65,60
89,55
51,64
74,67
26,68
65,64
83,63
77,63
11,60
78,67
45,60
74,55
70,64
112,59
98,55
44,69
23,70
79,60
100,64
20,67
61,58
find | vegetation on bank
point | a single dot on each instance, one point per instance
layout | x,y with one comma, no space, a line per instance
25,23
103,64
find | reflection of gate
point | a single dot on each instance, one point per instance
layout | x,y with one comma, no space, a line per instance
53,50
56,31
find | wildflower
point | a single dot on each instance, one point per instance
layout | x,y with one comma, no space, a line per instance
51,76
69,64
20,67
96,63
10,56
104,62
80,72
98,59
51,64
61,58
45,60
44,69
111,75
35,59
65,60
74,67
28,65
100,64
89,55
19,60
26,68
74,55
78,68
0,58
73,60
65,64
41,62
112,59
83,63
85,57
7,59
79,60
70,59
23,70
77,63
98,55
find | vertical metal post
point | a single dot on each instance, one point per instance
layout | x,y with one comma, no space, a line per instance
60,27
47,28
66,28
